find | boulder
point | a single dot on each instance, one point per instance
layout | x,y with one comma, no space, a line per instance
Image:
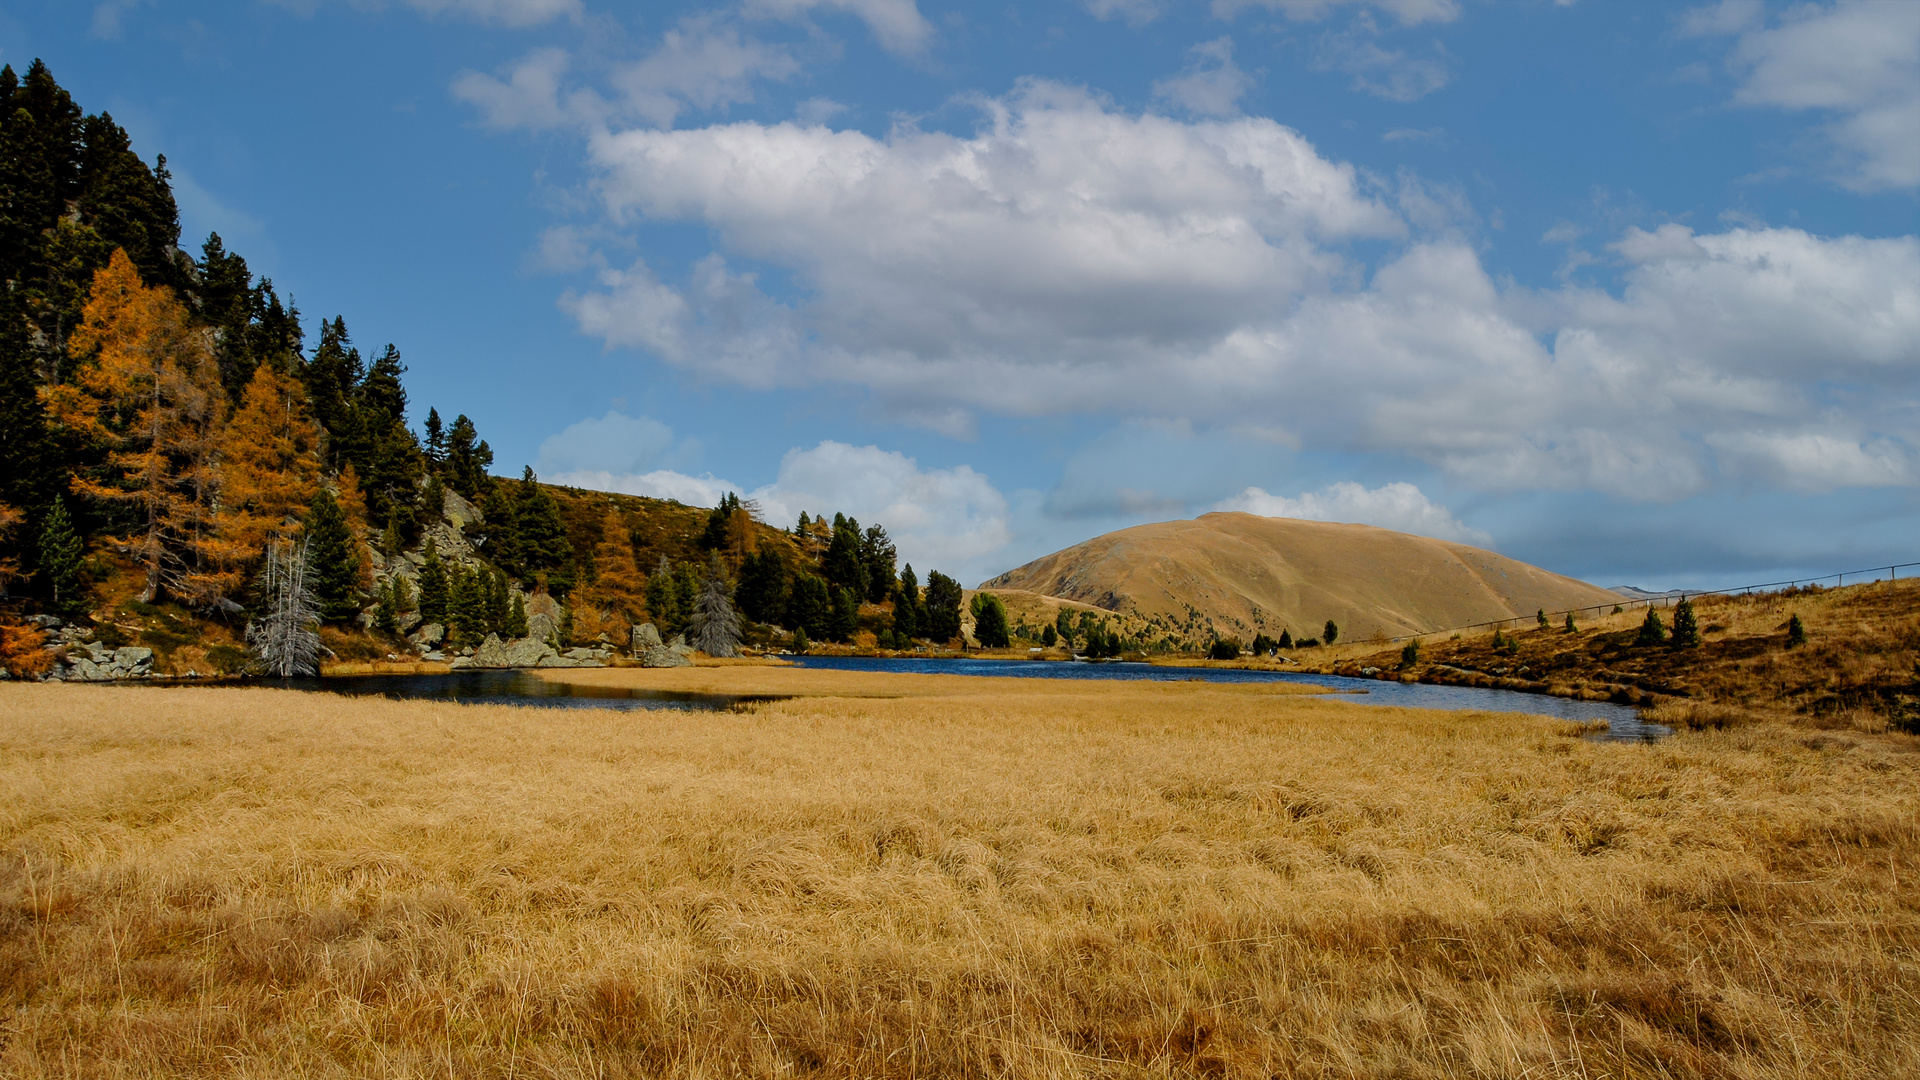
44,622
542,626
458,512
435,655
551,660
83,669
582,654
407,621
527,652
492,653
134,660
662,656
431,633
646,636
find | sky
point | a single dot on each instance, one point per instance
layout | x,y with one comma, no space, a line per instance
1627,290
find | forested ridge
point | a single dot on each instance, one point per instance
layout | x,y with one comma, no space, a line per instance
166,425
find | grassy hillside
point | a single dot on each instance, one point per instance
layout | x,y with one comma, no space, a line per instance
898,876
1860,666
1236,575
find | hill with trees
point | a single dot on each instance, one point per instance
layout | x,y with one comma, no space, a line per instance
174,452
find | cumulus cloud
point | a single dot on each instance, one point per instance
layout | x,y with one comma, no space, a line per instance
1211,86
1069,258
1856,60
1392,74
953,520
1399,506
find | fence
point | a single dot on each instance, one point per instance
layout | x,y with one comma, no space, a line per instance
1672,599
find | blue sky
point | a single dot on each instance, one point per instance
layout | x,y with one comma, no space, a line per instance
1631,291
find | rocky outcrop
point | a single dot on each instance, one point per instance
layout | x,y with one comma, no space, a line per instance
646,636
675,653
95,662
529,652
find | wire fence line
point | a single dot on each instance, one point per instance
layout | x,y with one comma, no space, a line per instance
1627,603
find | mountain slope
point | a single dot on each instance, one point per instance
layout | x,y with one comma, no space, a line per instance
1239,574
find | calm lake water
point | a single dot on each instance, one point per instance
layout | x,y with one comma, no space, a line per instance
1623,721
525,688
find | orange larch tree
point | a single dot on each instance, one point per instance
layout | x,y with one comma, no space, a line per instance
147,388
269,462
617,595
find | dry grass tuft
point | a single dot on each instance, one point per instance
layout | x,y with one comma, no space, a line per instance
930,879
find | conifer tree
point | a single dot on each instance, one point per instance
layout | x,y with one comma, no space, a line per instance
386,610
943,607
810,607
467,461
1330,633
285,639
841,565
1686,629
714,628
60,553
662,600
333,567
433,501
990,622
1049,637
436,441
148,390
762,594
270,463
906,616
877,557
1652,630
1796,632
470,595
497,609
1063,625
542,546
433,587
1286,639
516,625
1571,629
800,642
845,620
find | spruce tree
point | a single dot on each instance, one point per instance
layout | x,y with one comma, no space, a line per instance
1652,630
60,553
386,611
990,621
433,587
662,601
714,628
877,556
543,547
1286,639
516,626
841,564
435,443
1686,629
943,607
333,565
496,603
469,603
762,594
810,607
906,620
846,615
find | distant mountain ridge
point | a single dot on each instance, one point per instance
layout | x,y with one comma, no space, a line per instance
1236,574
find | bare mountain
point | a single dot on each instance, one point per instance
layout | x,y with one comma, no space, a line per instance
1239,574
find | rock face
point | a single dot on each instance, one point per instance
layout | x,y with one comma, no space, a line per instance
645,636
97,663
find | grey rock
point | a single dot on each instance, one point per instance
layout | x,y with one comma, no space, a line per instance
436,656
492,653
431,633
460,662
527,652
459,512
551,661
542,626
407,621
81,669
581,654
44,622
646,636
134,659
662,657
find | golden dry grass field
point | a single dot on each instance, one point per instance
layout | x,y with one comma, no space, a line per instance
901,876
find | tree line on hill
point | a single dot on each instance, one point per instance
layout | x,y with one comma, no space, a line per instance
162,415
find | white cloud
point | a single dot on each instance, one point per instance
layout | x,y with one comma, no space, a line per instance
701,65
1385,73
1132,12
1858,60
503,12
614,443
952,520
1211,86
1068,258
1399,506
896,24
1406,12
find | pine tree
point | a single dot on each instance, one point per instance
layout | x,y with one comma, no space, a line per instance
877,557
844,622
1410,655
1686,629
1652,630
436,441
1571,629
800,642
433,587
1540,616
810,607
1796,632
469,601
906,616
943,607
149,392
543,547
497,610
990,622
386,610
662,601
841,565
467,462
516,625
60,553
1049,637
333,567
1286,639
762,594
714,628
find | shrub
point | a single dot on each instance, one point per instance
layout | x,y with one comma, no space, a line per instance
21,651
1286,640
1225,649
800,642
1570,627
1652,630
1541,615
1331,632
1796,632
1410,655
1307,643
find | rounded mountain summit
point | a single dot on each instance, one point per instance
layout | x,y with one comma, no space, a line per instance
1241,574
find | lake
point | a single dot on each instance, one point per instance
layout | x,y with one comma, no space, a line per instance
527,689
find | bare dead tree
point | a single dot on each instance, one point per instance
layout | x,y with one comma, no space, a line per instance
285,639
